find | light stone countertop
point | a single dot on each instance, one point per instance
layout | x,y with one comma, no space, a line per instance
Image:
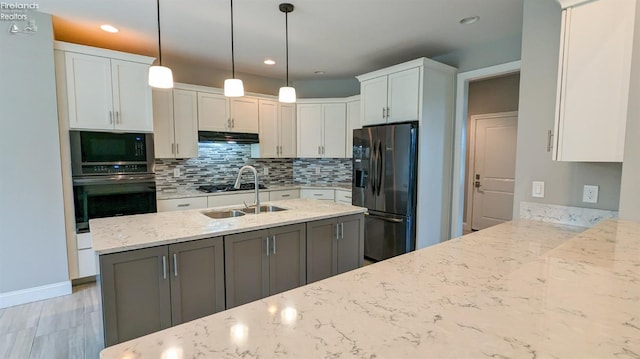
522,289
180,193
118,234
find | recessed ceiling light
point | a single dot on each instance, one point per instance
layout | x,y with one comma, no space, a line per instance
319,72
269,62
469,20
109,28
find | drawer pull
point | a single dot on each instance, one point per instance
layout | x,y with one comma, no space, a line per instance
286,195
318,194
184,204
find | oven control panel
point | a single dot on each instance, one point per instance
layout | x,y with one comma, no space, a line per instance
114,169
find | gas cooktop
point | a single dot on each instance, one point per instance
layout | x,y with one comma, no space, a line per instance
228,187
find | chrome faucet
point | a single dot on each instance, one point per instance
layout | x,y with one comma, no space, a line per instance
255,176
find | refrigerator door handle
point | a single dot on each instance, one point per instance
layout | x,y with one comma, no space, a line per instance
387,219
379,167
373,160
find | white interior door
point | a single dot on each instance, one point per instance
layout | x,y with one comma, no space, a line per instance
494,165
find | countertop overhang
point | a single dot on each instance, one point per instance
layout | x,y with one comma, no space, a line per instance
522,289
118,234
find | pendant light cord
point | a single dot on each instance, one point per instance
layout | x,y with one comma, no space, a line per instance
159,41
286,31
233,65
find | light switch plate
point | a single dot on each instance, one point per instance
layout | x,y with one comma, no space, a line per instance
537,189
265,171
176,172
317,170
590,194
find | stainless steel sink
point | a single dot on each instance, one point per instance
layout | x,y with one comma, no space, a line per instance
263,209
223,214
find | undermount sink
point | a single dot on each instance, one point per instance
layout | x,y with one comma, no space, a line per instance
223,214
263,209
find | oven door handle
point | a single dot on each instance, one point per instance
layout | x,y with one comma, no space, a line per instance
112,180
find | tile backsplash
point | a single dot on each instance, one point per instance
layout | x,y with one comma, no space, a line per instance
218,163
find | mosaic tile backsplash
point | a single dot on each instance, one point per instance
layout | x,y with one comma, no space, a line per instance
218,163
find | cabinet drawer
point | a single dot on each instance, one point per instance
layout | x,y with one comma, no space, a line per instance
179,204
284,194
343,196
87,263
321,194
235,199
83,240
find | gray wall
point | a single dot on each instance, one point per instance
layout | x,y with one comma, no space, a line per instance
499,94
563,180
32,238
493,53
630,191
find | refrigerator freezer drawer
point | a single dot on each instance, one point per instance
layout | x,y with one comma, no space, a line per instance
386,236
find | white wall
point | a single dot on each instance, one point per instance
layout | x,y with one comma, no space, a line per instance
476,57
630,188
538,79
32,233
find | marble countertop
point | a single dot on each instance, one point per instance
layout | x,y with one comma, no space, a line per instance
522,289
117,234
185,193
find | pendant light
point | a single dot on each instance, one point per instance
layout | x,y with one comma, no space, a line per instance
287,94
233,87
160,76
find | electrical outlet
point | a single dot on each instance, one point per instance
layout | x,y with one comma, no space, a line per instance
176,172
590,194
265,171
537,189
317,170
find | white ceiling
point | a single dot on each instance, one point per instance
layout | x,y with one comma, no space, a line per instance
343,38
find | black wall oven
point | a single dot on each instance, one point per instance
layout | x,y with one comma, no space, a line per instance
113,175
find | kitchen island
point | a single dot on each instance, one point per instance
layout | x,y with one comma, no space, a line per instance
522,289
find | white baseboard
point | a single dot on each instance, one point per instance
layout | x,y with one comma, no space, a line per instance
29,295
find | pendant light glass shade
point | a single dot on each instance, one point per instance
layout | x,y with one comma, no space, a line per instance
160,77
287,94
233,88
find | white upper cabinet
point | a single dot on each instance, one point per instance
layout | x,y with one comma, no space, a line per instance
392,97
244,114
287,130
213,112
353,122
106,91
593,81
269,136
321,130
175,123
219,113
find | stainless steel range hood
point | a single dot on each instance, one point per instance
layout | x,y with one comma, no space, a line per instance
229,137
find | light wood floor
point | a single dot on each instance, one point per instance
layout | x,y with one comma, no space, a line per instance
64,327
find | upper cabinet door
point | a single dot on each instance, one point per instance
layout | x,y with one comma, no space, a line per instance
334,130
287,130
269,144
353,122
131,96
213,112
163,135
185,117
403,96
244,114
594,74
89,91
374,101
309,121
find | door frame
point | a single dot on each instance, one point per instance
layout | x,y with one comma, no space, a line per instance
472,159
459,157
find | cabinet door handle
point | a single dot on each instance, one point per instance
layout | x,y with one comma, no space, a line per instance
229,122
384,112
164,267
184,205
110,117
267,246
274,243
342,230
117,116
388,112
323,150
286,195
549,140
173,148
337,231
177,148
175,264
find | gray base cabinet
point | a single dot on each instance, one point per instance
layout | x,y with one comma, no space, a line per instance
150,289
263,263
334,246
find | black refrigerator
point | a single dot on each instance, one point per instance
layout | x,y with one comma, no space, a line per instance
385,161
